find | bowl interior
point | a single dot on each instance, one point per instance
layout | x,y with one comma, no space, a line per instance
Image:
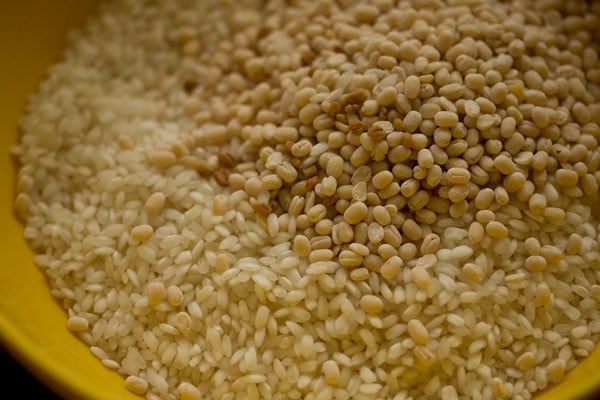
32,324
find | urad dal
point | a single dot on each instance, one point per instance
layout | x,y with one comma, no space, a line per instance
323,199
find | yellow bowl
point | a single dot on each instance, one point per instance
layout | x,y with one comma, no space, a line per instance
32,324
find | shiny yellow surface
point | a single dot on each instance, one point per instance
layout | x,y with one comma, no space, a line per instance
32,325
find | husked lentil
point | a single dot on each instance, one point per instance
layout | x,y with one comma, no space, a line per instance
382,179
163,158
174,295
331,371
141,232
535,263
496,230
136,385
412,86
371,304
417,331
155,203
473,272
77,324
390,269
556,369
188,392
421,277
566,177
446,119
156,292
355,213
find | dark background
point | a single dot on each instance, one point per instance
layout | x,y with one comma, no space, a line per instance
18,380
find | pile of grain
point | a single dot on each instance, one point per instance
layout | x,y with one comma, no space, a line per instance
323,200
